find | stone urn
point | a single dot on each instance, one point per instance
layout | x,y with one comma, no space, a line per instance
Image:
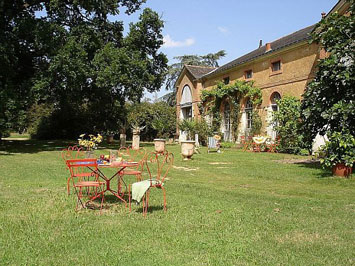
159,145
187,149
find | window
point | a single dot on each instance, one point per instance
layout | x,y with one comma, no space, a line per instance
248,74
227,122
276,66
274,98
226,80
249,112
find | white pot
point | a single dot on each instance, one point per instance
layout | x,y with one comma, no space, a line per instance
159,145
187,149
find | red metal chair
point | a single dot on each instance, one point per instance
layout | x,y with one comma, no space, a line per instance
81,171
72,152
272,147
138,156
246,142
158,166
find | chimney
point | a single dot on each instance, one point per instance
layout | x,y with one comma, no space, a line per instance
260,43
323,14
268,47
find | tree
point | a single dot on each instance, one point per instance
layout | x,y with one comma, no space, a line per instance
80,62
329,101
196,60
158,119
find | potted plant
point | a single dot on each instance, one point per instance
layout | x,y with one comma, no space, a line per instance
187,146
339,153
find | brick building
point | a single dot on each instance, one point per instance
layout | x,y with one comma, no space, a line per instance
279,68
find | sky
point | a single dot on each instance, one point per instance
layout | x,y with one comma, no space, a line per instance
207,26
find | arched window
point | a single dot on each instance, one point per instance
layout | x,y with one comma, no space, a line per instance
249,113
227,122
273,99
186,103
186,96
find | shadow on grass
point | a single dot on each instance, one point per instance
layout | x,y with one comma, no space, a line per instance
324,173
9,147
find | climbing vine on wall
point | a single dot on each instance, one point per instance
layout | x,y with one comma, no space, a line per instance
232,93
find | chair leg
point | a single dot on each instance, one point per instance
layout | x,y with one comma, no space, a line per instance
164,195
129,197
102,201
147,203
68,185
78,194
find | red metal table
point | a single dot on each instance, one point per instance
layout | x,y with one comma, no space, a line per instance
120,166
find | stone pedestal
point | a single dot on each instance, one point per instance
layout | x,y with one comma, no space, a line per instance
122,140
135,141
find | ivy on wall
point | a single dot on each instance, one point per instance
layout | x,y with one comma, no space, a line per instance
233,94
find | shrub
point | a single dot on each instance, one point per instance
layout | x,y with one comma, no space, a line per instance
286,122
339,149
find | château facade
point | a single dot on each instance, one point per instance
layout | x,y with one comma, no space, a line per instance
279,68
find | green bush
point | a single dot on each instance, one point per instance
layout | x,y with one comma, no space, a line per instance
287,123
256,124
203,130
227,145
159,119
339,149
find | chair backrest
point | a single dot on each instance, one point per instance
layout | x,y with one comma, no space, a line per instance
72,152
212,142
159,164
139,156
83,168
124,153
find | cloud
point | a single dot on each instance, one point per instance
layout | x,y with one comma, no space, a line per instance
169,42
223,30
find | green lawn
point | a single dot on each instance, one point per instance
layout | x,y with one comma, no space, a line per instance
234,208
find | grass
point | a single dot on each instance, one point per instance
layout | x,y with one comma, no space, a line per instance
233,208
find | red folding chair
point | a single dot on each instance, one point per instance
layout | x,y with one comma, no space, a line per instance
158,166
84,173
72,152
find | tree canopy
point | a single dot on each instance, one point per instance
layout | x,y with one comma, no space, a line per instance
210,59
72,57
175,69
329,101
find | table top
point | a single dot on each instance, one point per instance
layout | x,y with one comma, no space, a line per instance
119,164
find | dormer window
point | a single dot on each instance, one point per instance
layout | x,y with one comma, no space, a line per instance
248,74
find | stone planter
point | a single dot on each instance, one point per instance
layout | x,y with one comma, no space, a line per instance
341,170
187,149
159,145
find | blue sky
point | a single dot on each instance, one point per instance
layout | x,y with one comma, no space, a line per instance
206,26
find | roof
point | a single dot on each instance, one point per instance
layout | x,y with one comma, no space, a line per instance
296,37
198,71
